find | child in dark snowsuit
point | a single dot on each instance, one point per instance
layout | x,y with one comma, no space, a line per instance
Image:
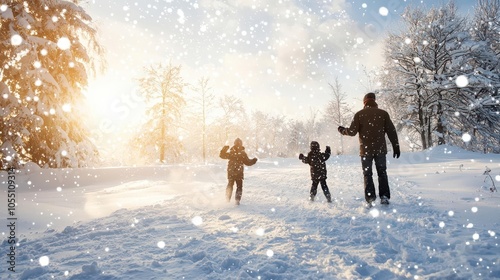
237,158
316,159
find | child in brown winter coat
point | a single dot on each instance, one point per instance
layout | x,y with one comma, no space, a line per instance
237,158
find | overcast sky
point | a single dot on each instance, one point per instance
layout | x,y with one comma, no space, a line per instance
277,56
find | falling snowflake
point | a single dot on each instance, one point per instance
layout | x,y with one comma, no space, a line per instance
44,261
475,236
270,253
66,108
462,81
260,231
375,213
466,137
197,221
160,244
383,11
16,40
63,43
181,18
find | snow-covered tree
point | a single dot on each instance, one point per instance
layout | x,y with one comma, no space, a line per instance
312,127
423,62
484,99
234,118
278,135
268,134
163,89
297,140
261,122
337,111
48,50
204,100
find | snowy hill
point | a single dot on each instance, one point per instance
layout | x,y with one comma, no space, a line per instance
171,222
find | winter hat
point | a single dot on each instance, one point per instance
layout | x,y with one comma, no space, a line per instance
368,97
314,146
238,142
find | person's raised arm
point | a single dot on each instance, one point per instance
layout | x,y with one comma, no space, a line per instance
223,152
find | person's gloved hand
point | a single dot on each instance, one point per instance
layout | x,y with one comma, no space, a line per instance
301,156
397,152
328,150
254,160
341,129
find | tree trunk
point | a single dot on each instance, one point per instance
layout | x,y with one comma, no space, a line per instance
422,122
162,127
440,127
204,131
429,132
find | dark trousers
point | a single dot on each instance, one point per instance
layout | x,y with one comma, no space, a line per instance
383,182
229,189
314,188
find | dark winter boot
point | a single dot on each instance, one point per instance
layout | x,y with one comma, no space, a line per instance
311,198
329,199
229,190
384,200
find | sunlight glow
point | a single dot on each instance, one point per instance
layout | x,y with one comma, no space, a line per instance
112,109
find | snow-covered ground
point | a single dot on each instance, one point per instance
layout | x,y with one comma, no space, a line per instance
171,222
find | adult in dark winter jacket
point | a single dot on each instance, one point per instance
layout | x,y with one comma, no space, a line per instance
316,160
237,158
373,124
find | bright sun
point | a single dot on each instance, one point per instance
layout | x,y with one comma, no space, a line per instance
113,108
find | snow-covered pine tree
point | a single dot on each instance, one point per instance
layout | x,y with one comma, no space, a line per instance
46,47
